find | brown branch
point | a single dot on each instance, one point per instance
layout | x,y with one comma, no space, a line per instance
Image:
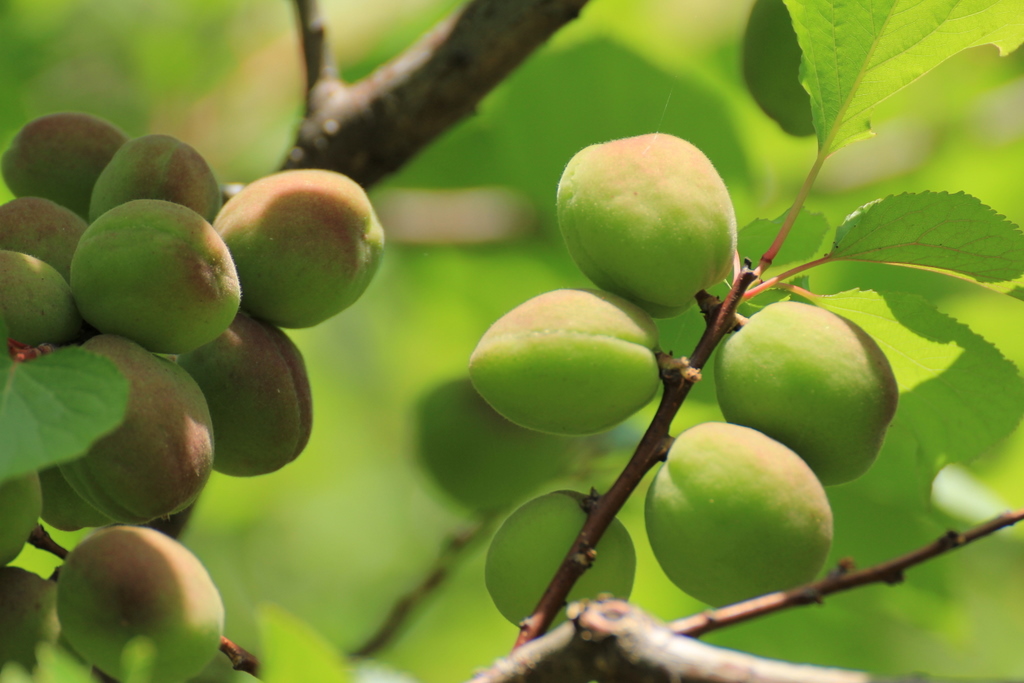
241,659
40,539
371,128
403,608
315,49
678,376
841,579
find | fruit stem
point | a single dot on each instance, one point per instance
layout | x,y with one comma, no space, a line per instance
774,281
794,211
241,659
40,539
678,379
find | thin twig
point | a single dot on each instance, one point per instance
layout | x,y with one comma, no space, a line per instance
841,579
315,49
40,539
241,659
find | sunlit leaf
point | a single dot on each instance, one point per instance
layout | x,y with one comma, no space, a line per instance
294,651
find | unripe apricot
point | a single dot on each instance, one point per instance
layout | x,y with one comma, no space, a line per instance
123,582
476,456
571,361
63,508
733,514
159,459
157,167
35,301
59,157
255,383
28,615
157,273
20,503
306,244
41,228
531,544
649,219
814,381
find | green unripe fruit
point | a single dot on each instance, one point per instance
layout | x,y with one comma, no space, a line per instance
529,547
256,386
41,228
157,167
814,381
306,244
476,456
771,67
28,615
157,273
124,582
63,508
59,157
733,514
159,459
571,361
35,301
21,501
649,219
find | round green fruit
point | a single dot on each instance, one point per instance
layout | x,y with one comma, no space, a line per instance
41,228
35,301
571,361
63,508
28,615
771,67
157,167
649,219
255,384
476,456
306,244
59,157
529,547
733,514
159,459
123,582
21,501
814,381
157,273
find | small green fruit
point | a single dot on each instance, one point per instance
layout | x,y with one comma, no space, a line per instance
306,244
814,381
157,167
476,456
733,514
41,228
124,582
571,361
157,273
28,615
21,501
59,157
63,508
529,547
649,219
35,301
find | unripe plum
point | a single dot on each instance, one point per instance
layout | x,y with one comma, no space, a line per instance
28,615
63,508
123,582
649,219
35,301
255,384
41,228
571,361
529,547
157,167
59,157
733,514
21,500
157,273
158,460
306,244
476,456
814,381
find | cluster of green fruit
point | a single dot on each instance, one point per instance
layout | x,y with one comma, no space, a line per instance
122,246
739,508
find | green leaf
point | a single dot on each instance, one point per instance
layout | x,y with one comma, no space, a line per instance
802,244
857,53
53,407
294,651
958,394
935,231
57,666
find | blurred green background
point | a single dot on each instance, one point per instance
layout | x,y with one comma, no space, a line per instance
336,537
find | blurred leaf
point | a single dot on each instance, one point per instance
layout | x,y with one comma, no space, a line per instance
802,243
53,407
958,394
57,666
137,660
857,53
293,651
